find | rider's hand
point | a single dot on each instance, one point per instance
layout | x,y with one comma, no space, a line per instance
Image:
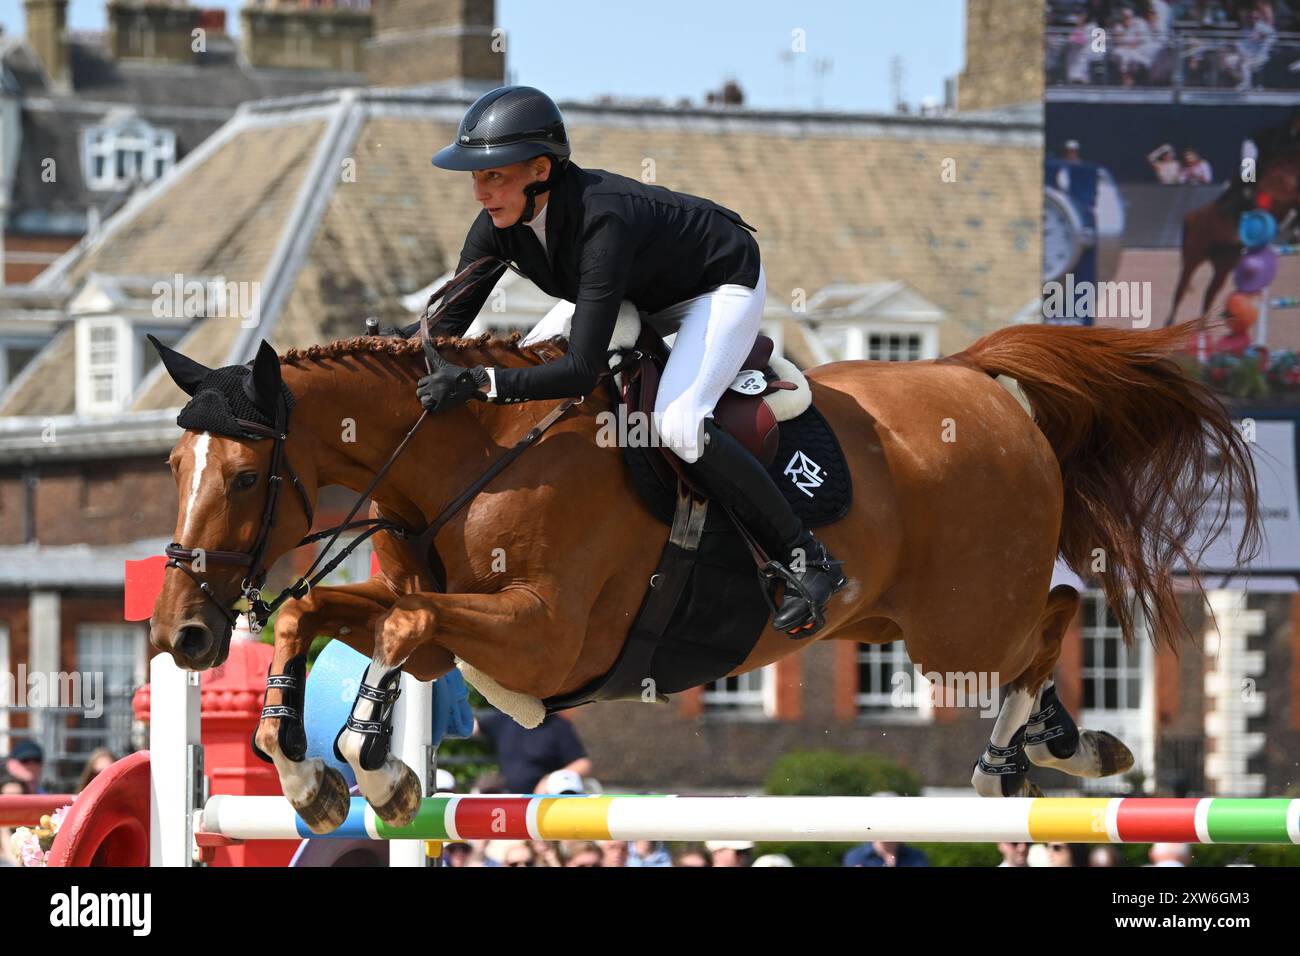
451,386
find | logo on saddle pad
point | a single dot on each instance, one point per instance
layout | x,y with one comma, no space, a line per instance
804,472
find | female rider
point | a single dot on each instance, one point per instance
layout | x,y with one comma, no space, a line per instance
595,239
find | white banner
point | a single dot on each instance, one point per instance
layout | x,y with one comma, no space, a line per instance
1274,452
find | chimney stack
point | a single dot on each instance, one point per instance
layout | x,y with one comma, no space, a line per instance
153,30
47,26
291,37
418,42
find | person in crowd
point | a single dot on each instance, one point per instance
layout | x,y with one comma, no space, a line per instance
1105,855
692,855
528,757
1014,854
521,854
614,853
1132,47
649,853
26,764
1164,163
582,853
1171,854
729,852
1196,169
99,760
1060,854
885,853
9,786
773,859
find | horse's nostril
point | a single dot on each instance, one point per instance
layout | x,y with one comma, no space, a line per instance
194,642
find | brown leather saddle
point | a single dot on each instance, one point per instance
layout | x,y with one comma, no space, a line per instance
745,416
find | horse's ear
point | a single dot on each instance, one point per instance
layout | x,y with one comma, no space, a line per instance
263,386
185,372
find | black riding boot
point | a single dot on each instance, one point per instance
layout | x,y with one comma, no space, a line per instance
740,481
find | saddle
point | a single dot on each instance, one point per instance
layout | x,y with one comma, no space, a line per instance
742,411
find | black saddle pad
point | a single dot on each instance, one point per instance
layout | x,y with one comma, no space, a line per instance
809,468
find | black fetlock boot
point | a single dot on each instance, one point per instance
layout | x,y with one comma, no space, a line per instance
739,480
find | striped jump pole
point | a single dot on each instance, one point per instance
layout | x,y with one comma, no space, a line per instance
783,819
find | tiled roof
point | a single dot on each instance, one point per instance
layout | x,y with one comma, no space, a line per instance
950,206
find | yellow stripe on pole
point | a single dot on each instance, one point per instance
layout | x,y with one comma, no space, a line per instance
574,818
1069,820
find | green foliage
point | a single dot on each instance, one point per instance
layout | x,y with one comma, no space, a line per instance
822,773
825,773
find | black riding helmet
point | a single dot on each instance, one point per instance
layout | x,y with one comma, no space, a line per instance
509,125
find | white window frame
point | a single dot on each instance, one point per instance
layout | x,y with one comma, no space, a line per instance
851,340
1134,722
123,368
883,703
142,146
745,700
135,638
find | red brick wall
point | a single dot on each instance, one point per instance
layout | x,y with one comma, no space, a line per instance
47,248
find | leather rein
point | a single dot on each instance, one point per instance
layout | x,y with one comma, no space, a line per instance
259,610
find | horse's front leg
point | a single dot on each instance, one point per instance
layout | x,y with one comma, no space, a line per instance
509,635
349,613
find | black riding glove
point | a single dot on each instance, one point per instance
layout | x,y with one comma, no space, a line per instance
450,386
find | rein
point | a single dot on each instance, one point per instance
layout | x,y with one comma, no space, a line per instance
259,611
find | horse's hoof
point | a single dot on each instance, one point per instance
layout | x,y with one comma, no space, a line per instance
400,809
325,811
1112,754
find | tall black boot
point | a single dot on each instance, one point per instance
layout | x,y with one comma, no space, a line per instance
739,480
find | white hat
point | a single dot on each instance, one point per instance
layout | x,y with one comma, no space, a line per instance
563,781
444,782
713,845
773,859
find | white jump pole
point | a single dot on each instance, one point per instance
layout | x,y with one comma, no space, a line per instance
177,784
413,745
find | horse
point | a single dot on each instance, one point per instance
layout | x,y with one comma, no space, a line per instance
1210,231
967,495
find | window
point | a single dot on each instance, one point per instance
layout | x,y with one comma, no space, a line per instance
1118,694
894,346
116,651
128,151
1112,673
747,694
879,683
13,359
101,367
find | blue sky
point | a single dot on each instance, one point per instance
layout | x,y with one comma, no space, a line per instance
681,48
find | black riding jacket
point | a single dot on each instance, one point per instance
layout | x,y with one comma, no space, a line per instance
608,238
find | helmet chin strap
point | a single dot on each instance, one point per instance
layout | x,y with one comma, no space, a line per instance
536,188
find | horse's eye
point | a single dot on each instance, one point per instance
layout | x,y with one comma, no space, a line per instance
246,479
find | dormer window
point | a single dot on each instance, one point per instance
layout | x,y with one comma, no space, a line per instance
104,370
118,154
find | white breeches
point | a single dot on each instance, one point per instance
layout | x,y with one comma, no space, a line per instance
715,332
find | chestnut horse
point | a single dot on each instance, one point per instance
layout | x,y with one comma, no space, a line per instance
1210,232
963,504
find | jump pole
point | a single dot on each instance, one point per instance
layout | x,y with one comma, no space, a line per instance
793,819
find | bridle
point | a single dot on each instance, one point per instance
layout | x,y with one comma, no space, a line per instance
259,611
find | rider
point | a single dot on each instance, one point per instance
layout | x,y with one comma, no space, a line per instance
596,239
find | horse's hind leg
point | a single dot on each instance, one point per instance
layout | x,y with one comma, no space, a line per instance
1053,740
1003,770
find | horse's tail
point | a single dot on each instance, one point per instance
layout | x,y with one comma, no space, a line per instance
1143,449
